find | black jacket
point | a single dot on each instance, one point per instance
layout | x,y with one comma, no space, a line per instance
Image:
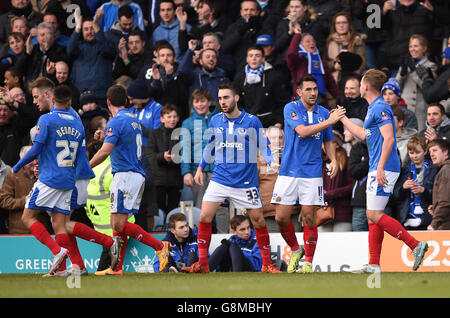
30,66
164,173
15,133
358,167
406,21
137,62
264,99
162,90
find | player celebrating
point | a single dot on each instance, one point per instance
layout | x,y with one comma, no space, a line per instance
235,140
123,141
307,126
384,169
58,141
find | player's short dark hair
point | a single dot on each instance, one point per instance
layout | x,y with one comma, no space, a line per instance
237,220
305,78
441,143
125,11
176,217
62,94
117,95
231,86
438,105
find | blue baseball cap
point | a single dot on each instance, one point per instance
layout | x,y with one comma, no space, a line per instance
265,39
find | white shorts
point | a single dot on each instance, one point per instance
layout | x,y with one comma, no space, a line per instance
79,194
241,198
378,197
43,197
126,192
295,191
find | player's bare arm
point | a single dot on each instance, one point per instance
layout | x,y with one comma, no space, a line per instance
387,132
307,131
330,150
198,178
102,154
356,131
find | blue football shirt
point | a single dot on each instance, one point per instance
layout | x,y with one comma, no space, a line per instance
235,143
125,132
62,136
83,168
302,157
378,115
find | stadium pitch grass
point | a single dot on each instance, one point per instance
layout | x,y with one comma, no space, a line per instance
229,285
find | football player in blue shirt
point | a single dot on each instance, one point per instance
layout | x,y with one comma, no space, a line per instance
123,142
236,137
299,181
58,143
78,201
384,169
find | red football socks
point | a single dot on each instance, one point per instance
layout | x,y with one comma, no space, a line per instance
74,253
122,250
86,233
42,235
310,240
138,233
263,240
63,240
395,229
288,233
204,239
376,235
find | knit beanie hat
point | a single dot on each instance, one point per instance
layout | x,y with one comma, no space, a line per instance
138,89
392,84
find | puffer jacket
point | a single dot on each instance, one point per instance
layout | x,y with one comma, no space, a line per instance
179,251
250,250
196,125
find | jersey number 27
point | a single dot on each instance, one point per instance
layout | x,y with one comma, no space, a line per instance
66,157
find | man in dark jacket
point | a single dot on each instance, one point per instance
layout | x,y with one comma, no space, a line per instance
15,128
132,55
163,78
184,250
437,125
440,209
34,62
261,92
93,55
206,74
242,34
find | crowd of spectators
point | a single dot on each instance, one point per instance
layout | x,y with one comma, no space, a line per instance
171,56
